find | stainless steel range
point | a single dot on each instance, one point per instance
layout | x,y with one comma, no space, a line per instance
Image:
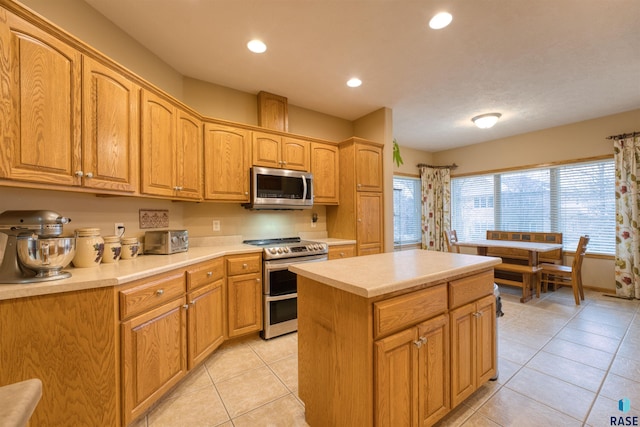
280,286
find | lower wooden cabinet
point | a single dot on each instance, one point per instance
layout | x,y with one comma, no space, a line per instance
154,356
412,375
473,350
244,294
342,251
205,320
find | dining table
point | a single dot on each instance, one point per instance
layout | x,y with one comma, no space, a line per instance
533,250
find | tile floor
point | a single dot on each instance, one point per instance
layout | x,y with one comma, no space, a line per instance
559,365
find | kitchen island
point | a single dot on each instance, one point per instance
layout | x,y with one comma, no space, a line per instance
394,339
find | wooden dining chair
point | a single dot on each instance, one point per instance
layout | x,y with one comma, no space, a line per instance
451,237
564,275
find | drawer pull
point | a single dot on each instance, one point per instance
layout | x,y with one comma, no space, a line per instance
420,342
245,266
209,273
342,254
159,292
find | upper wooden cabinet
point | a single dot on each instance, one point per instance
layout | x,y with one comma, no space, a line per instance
171,150
39,105
275,151
227,157
325,163
111,123
368,167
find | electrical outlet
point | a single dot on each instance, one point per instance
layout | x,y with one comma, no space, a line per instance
313,224
118,228
216,225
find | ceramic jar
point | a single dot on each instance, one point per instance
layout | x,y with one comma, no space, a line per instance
89,247
112,249
130,247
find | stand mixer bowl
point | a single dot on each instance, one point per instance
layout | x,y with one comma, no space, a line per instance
46,256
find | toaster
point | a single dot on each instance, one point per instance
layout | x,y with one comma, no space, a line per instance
166,242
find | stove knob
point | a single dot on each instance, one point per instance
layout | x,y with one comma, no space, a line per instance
286,250
174,240
316,246
279,250
272,250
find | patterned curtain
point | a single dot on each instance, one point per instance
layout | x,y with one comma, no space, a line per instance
627,265
436,206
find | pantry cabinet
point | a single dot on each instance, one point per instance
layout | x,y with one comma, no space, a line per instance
360,215
40,105
171,147
276,151
227,156
325,167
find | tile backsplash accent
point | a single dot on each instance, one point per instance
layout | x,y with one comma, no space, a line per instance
154,218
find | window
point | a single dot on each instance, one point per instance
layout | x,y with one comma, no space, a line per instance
407,211
573,199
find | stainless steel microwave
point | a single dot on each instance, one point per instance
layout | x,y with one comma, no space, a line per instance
280,189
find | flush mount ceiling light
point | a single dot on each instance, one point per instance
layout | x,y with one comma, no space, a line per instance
485,121
354,82
256,46
440,20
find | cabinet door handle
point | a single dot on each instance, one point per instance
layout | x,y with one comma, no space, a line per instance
192,302
79,174
420,342
258,280
159,292
477,314
209,273
89,175
186,306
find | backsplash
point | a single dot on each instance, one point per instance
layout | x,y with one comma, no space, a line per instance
87,210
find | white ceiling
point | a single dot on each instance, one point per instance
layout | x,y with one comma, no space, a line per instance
541,63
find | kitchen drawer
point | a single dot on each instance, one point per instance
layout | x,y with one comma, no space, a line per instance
242,264
152,292
205,272
342,251
470,288
397,313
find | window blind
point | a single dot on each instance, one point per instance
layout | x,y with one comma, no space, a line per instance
407,212
573,199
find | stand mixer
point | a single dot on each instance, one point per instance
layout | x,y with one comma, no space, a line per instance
34,251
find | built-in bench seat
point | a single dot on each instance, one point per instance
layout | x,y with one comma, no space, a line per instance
514,270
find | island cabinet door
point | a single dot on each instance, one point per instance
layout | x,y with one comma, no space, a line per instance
412,375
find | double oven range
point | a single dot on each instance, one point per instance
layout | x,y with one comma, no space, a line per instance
280,287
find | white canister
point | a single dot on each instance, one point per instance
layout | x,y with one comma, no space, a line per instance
112,249
130,247
89,247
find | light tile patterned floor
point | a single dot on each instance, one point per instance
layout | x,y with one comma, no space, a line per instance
559,365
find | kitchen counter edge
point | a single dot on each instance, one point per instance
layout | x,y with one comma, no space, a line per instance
376,275
122,272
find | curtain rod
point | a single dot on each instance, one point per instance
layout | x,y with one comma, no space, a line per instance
453,166
624,135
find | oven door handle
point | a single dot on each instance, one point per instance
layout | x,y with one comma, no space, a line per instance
268,298
285,263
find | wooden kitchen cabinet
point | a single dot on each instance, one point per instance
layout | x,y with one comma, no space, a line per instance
341,251
110,135
206,313
360,215
171,147
40,105
227,156
412,375
244,294
473,351
276,151
154,340
325,167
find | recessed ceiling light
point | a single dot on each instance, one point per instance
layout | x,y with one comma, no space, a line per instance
354,82
485,121
256,46
441,20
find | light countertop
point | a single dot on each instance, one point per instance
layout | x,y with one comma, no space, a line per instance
19,401
124,271
376,275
